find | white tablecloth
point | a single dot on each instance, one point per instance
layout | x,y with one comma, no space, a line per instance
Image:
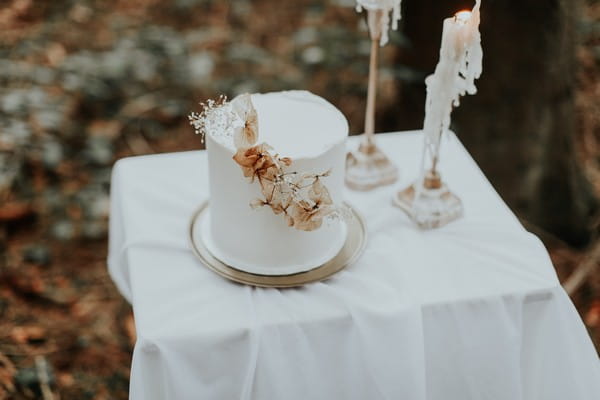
470,311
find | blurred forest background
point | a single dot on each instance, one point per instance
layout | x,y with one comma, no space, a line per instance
86,82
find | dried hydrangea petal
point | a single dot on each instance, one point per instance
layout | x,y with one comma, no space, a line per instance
257,203
245,135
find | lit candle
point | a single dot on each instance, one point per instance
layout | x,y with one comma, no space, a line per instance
378,17
459,66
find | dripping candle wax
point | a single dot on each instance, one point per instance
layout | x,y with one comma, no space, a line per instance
459,65
379,17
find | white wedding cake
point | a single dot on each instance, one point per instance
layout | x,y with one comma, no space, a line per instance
276,171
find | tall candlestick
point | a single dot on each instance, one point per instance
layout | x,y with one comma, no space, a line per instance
428,201
369,167
371,94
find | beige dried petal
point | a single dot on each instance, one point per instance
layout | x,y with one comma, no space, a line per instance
280,202
255,161
307,176
267,188
286,161
325,174
308,224
319,193
247,135
307,217
268,178
257,203
289,220
320,214
275,191
246,161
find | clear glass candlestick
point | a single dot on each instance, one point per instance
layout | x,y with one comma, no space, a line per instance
428,201
368,167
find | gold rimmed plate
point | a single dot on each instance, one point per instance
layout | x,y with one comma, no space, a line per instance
356,240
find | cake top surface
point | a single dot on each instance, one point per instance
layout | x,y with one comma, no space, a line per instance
296,124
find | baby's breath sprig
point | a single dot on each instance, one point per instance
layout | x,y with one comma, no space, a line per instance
199,120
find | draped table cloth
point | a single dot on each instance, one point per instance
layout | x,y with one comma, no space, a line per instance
473,310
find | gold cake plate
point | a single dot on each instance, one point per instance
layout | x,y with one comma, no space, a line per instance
356,240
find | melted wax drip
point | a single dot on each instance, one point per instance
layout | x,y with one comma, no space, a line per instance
459,66
386,6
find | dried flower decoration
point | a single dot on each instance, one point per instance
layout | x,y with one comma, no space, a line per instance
308,214
236,118
200,120
247,134
255,161
302,199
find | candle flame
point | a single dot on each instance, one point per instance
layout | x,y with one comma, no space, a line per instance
463,16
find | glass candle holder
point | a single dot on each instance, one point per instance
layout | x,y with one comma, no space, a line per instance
428,201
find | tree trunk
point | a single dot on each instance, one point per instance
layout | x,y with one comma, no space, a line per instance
520,126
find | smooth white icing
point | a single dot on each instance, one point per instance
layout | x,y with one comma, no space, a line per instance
312,132
297,123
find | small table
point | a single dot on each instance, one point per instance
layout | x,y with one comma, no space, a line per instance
469,311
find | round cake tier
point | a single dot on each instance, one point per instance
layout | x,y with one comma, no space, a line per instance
312,132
